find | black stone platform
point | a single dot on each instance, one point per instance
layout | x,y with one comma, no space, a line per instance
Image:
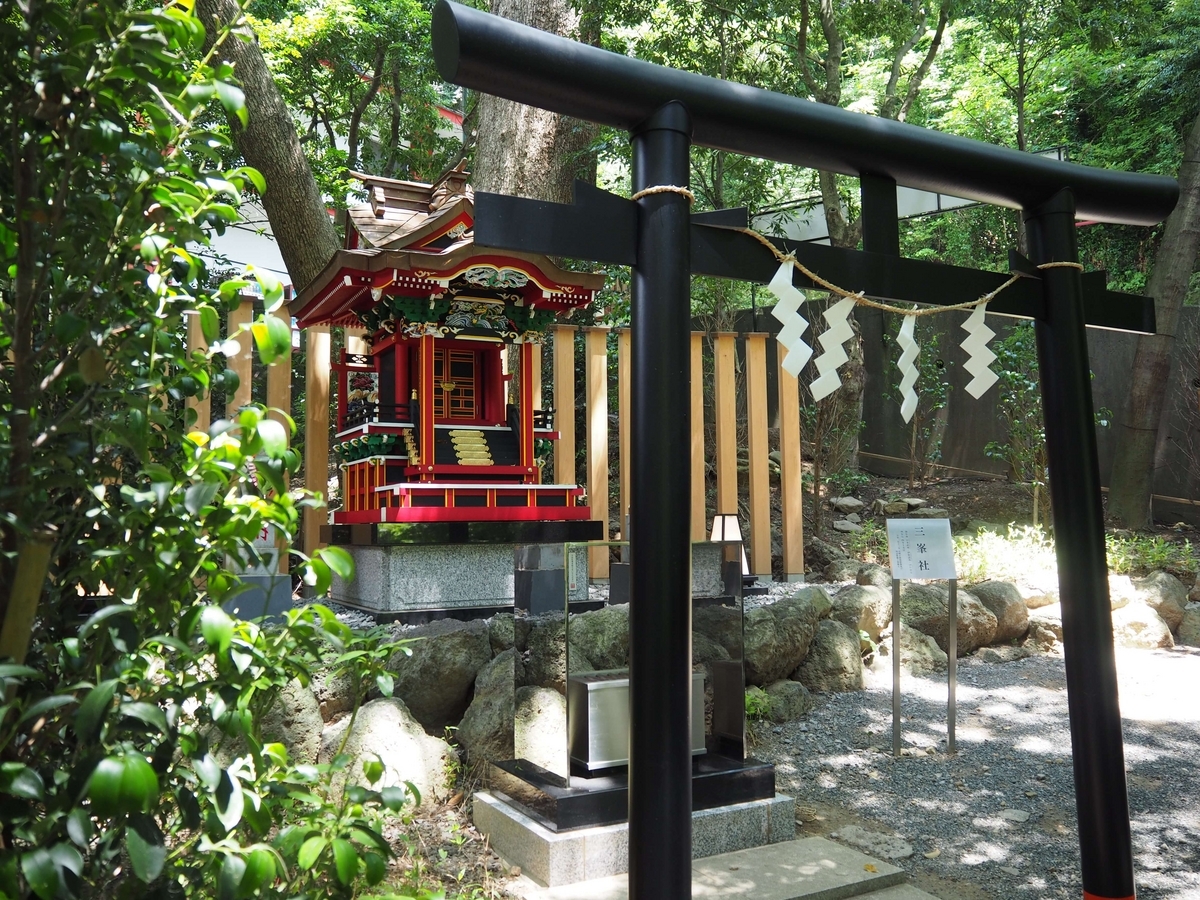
394,533
604,799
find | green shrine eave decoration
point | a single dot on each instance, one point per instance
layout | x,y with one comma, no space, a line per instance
417,315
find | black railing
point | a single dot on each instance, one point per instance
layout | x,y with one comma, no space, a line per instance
361,412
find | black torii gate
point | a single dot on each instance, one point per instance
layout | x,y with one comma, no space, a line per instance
666,111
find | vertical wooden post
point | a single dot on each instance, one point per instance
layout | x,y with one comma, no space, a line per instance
525,405
791,472
243,363
624,348
316,429
426,440
699,470
203,407
760,488
279,397
535,355
564,404
726,401
596,368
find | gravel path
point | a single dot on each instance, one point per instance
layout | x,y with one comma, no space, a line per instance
998,819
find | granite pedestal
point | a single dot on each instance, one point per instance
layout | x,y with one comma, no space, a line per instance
417,571
557,858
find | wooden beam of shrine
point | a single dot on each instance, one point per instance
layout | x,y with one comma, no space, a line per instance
601,227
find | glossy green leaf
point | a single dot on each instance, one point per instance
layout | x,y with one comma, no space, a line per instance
217,627
340,561
145,712
233,99
310,850
19,780
122,784
274,438
12,670
233,870
42,872
230,801
43,706
372,770
386,683
210,323
92,710
376,867
79,827
345,860
260,871
200,495
146,847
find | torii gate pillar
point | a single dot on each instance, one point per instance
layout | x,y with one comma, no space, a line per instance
660,611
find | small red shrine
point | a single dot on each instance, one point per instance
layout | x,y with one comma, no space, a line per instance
425,432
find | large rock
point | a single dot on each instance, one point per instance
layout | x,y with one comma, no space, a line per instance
435,682
1007,605
926,608
1139,626
1038,595
334,695
1121,591
1165,594
294,720
818,554
846,504
834,661
842,570
486,729
603,636
931,512
548,656
845,526
777,637
384,729
1189,628
502,633
863,608
870,573
1194,593
1048,618
919,653
540,727
722,625
790,700
1041,636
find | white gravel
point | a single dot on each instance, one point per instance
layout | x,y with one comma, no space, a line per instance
1014,756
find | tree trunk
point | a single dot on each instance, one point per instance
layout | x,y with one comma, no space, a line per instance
530,152
1133,466
302,227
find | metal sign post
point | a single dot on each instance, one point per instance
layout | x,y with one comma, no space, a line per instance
921,548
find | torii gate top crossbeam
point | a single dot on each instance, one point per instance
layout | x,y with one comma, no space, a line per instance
477,50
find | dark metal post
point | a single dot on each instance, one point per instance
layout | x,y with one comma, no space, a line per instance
895,667
1096,742
660,610
952,667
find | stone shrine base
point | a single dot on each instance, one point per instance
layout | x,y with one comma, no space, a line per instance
420,571
559,858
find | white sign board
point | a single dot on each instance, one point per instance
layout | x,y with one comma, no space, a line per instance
921,548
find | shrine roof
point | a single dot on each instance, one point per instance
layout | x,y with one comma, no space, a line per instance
401,214
347,283
413,239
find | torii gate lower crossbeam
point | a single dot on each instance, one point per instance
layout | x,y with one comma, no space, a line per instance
663,108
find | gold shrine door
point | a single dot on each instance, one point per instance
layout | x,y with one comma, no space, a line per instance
456,388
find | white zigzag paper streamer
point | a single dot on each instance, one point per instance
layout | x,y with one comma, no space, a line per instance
907,364
980,357
833,353
791,336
